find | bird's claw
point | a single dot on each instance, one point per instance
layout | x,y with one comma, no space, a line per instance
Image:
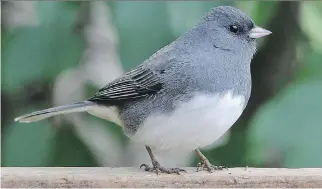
206,165
159,169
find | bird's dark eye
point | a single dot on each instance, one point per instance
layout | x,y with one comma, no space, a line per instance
234,28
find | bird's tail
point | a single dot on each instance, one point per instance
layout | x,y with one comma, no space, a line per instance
65,109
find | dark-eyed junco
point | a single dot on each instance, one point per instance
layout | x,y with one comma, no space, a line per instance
186,95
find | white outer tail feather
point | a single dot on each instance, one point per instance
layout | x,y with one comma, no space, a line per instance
65,109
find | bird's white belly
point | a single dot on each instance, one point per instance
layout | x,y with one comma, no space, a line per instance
194,124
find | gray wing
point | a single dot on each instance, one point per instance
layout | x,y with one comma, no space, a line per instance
134,84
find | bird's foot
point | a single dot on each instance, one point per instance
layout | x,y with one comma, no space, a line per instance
159,169
206,165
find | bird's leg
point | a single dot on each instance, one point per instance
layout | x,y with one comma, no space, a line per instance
205,164
157,167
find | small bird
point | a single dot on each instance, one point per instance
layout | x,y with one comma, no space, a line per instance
186,95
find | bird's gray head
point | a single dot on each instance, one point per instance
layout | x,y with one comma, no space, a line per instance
232,30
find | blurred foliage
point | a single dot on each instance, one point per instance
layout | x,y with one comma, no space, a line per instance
41,52
288,128
312,11
27,146
69,150
289,124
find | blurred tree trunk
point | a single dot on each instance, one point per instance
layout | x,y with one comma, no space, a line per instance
273,67
98,66
276,63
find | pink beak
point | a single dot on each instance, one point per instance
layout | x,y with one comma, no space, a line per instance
258,32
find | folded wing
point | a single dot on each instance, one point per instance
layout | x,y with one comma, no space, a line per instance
134,84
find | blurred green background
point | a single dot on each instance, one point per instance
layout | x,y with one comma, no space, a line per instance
55,52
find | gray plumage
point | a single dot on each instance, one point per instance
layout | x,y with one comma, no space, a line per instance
65,109
209,59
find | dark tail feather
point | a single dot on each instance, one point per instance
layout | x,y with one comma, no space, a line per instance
65,109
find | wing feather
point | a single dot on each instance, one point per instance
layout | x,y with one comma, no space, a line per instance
137,83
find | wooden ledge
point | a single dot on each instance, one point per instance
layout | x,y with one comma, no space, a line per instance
95,177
